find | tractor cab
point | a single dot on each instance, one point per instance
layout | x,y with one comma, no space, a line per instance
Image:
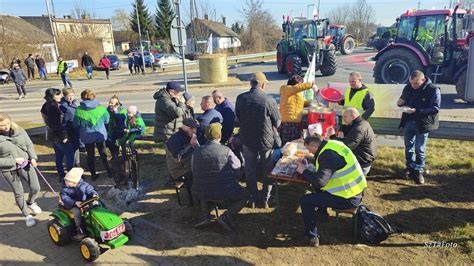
337,31
301,31
433,32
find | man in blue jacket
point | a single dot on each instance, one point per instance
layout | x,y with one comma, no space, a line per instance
209,116
73,194
227,110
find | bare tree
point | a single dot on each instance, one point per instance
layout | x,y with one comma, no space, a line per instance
121,20
261,32
339,15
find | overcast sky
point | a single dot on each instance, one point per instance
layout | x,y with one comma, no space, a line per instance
386,10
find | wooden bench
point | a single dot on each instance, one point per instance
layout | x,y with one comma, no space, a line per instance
352,212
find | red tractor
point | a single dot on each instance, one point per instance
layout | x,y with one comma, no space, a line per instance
433,41
341,41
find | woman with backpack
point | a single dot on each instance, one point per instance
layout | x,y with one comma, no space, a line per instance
104,64
17,163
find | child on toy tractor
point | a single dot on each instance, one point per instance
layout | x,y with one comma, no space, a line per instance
74,192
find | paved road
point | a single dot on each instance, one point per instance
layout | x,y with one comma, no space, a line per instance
138,90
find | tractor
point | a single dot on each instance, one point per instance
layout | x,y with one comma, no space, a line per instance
433,41
341,41
383,37
303,38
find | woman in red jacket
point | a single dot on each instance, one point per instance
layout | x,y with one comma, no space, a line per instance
104,64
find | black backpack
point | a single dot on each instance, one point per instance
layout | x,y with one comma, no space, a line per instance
371,227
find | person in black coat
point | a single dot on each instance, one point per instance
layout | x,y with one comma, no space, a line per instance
57,133
68,106
358,135
420,101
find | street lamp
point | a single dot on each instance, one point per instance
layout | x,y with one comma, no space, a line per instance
140,37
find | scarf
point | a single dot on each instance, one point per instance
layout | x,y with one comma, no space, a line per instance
91,118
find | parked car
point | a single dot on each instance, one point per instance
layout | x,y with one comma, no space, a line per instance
114,62
169,59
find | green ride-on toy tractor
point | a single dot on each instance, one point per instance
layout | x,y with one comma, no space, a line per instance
102,227
302,39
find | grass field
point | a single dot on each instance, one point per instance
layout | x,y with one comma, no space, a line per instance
441,211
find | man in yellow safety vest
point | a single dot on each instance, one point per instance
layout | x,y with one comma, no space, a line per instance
63,70
359,96
337,179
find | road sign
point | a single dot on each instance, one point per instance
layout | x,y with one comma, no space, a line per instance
175,35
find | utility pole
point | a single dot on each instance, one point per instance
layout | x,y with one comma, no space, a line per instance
180,42
52,31
140,37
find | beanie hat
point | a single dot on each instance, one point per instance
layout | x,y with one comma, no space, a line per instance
213,131
74,175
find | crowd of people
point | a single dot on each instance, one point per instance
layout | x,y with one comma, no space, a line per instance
212,159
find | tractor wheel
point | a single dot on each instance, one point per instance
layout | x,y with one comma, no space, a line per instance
58,234
280,61
348,45
89,248
461,86
329,65
293,65
395,66
130,230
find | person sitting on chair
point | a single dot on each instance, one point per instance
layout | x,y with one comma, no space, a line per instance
215,178
338,182
134,129
179,149
74,193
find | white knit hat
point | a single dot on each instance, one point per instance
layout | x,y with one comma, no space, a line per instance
74,175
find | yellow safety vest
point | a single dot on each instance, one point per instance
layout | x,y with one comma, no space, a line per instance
348,181
61,66
356,100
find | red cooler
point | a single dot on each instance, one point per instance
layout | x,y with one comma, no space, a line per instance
325,116
327,119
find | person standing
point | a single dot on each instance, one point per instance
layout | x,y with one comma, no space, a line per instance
338,182
17,163
68,106
169,111
19,78
63,70
91,119
215,171
258,115
117,124
57,133
227,110
422,100
291,108
359,96
130,62
104,64
357,134
86,61
30,66
209,116
41,67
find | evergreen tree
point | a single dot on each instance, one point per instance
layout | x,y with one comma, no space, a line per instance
237,28
164,15
146,22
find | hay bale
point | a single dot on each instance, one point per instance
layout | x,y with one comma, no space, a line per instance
213,68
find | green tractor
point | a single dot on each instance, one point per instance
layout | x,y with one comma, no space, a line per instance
102,227
302,39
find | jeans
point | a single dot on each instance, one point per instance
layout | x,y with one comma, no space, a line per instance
322,200
42,73
13,179
91,156
89,72
266,163
61,150
65,79
77,216
20,89
415,146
